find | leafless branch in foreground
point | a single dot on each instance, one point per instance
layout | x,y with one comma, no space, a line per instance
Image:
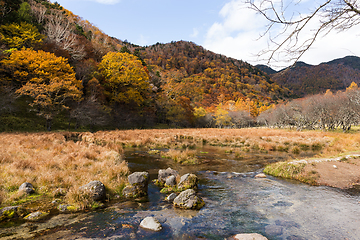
296,32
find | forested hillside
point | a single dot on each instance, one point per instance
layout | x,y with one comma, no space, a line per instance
304,79
60,71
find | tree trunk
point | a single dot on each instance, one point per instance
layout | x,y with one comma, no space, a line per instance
48,124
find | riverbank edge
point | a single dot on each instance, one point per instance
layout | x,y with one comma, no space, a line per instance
308,170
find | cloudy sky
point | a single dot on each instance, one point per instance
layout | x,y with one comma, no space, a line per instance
222,26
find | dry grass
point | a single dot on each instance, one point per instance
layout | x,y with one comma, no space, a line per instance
50,162
248,139
187,157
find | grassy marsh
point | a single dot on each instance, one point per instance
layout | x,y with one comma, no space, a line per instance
65,160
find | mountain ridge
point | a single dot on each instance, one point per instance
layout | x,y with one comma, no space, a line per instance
304,79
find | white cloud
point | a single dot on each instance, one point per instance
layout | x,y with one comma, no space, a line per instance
237,35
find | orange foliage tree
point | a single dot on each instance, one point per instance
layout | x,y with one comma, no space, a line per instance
49,80
126,80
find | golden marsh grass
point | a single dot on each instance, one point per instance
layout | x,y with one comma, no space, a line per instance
51,161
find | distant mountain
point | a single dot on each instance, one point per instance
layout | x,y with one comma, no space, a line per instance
304,79
266,69
350,61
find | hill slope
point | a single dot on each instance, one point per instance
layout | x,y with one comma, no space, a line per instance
181,76
304,79
205,77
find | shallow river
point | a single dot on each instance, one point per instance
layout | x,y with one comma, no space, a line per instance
236,202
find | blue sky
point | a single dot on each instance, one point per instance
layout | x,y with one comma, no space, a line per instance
221,26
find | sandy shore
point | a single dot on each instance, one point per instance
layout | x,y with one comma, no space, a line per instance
341,172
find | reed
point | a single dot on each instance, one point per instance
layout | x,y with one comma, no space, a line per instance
186,157
50,162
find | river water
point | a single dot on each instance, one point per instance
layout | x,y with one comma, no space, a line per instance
236,202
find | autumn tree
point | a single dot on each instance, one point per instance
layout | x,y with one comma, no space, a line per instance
20,35
126,80
221,117
49,81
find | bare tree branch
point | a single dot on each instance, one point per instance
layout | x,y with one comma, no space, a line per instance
298,31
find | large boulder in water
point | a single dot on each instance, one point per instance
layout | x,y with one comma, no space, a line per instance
151,223
138,185
188,200
188,181
95,189
164,174
248,236
140,179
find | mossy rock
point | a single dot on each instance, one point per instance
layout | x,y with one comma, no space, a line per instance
97,205
169,189
65,208
188,181
11,212
131,191
36,216
188,200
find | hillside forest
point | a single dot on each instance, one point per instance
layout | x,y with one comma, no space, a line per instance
59,71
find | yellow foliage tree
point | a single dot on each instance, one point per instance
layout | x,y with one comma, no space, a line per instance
353,86
20,35
222,118
199,112
126,80
247,105
48,79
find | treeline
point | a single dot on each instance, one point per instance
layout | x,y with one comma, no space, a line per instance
59,70
322,111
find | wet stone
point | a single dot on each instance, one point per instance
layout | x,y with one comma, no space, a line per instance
165,173
260,175
188,181
138,185
249,236
170,180
171,197
139,178
151,223
188,200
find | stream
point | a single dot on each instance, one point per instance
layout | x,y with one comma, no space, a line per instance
236,202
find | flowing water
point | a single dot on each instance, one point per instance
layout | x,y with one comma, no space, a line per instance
236,202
